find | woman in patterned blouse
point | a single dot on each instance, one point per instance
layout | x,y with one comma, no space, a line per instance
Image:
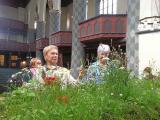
97,69
51,71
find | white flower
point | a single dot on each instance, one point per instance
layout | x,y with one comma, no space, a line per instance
112,94
121,95
122,68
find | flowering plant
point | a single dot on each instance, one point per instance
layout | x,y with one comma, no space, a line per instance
49,80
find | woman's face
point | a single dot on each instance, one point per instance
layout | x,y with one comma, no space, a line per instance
52,57
102,57
38,63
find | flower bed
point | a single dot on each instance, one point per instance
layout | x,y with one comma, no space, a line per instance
120,97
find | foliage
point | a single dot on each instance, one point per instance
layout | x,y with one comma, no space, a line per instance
118,55
120,97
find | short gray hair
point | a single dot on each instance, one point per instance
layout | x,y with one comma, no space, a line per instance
103,48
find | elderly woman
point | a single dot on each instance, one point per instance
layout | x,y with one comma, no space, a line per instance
51,71
96,70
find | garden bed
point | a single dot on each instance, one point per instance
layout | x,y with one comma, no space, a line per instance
120,97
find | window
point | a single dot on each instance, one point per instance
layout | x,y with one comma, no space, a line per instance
86,9
1,60
35,24
108,7
13,64
14,57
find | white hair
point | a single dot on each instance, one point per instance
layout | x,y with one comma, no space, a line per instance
103,48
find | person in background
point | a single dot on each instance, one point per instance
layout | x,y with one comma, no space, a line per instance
95,72
35,63
26,74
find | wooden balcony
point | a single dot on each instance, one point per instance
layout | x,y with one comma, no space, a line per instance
61,39
41,43
103,27
9,45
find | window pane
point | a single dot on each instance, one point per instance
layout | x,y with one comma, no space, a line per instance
108,7
101,7
86,9
105,11
114,6
13,64
14,57
1,60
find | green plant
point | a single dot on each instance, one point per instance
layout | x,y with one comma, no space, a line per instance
120,97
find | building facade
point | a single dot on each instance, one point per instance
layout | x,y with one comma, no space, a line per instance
75,26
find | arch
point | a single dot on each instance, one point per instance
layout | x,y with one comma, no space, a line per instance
96,27
108,26
119,25
83,31
89,29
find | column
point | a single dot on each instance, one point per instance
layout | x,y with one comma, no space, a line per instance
39,54
55,16
31,35
79,13
40,34
54,21
60,59
132,43
40,31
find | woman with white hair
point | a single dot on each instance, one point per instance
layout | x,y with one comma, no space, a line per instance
51,71
96,70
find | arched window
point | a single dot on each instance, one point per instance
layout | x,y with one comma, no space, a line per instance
36,18
108,7
35,24
86,9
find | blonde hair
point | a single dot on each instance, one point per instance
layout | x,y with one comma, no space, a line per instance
48,48
33,62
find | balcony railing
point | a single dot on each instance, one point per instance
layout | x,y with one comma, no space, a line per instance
12,24
61,38
9,45
103,26
41,43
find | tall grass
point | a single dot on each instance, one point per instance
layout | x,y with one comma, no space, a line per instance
120,97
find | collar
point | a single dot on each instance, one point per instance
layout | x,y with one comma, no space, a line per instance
51,67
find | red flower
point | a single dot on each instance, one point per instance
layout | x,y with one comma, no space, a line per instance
50,80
